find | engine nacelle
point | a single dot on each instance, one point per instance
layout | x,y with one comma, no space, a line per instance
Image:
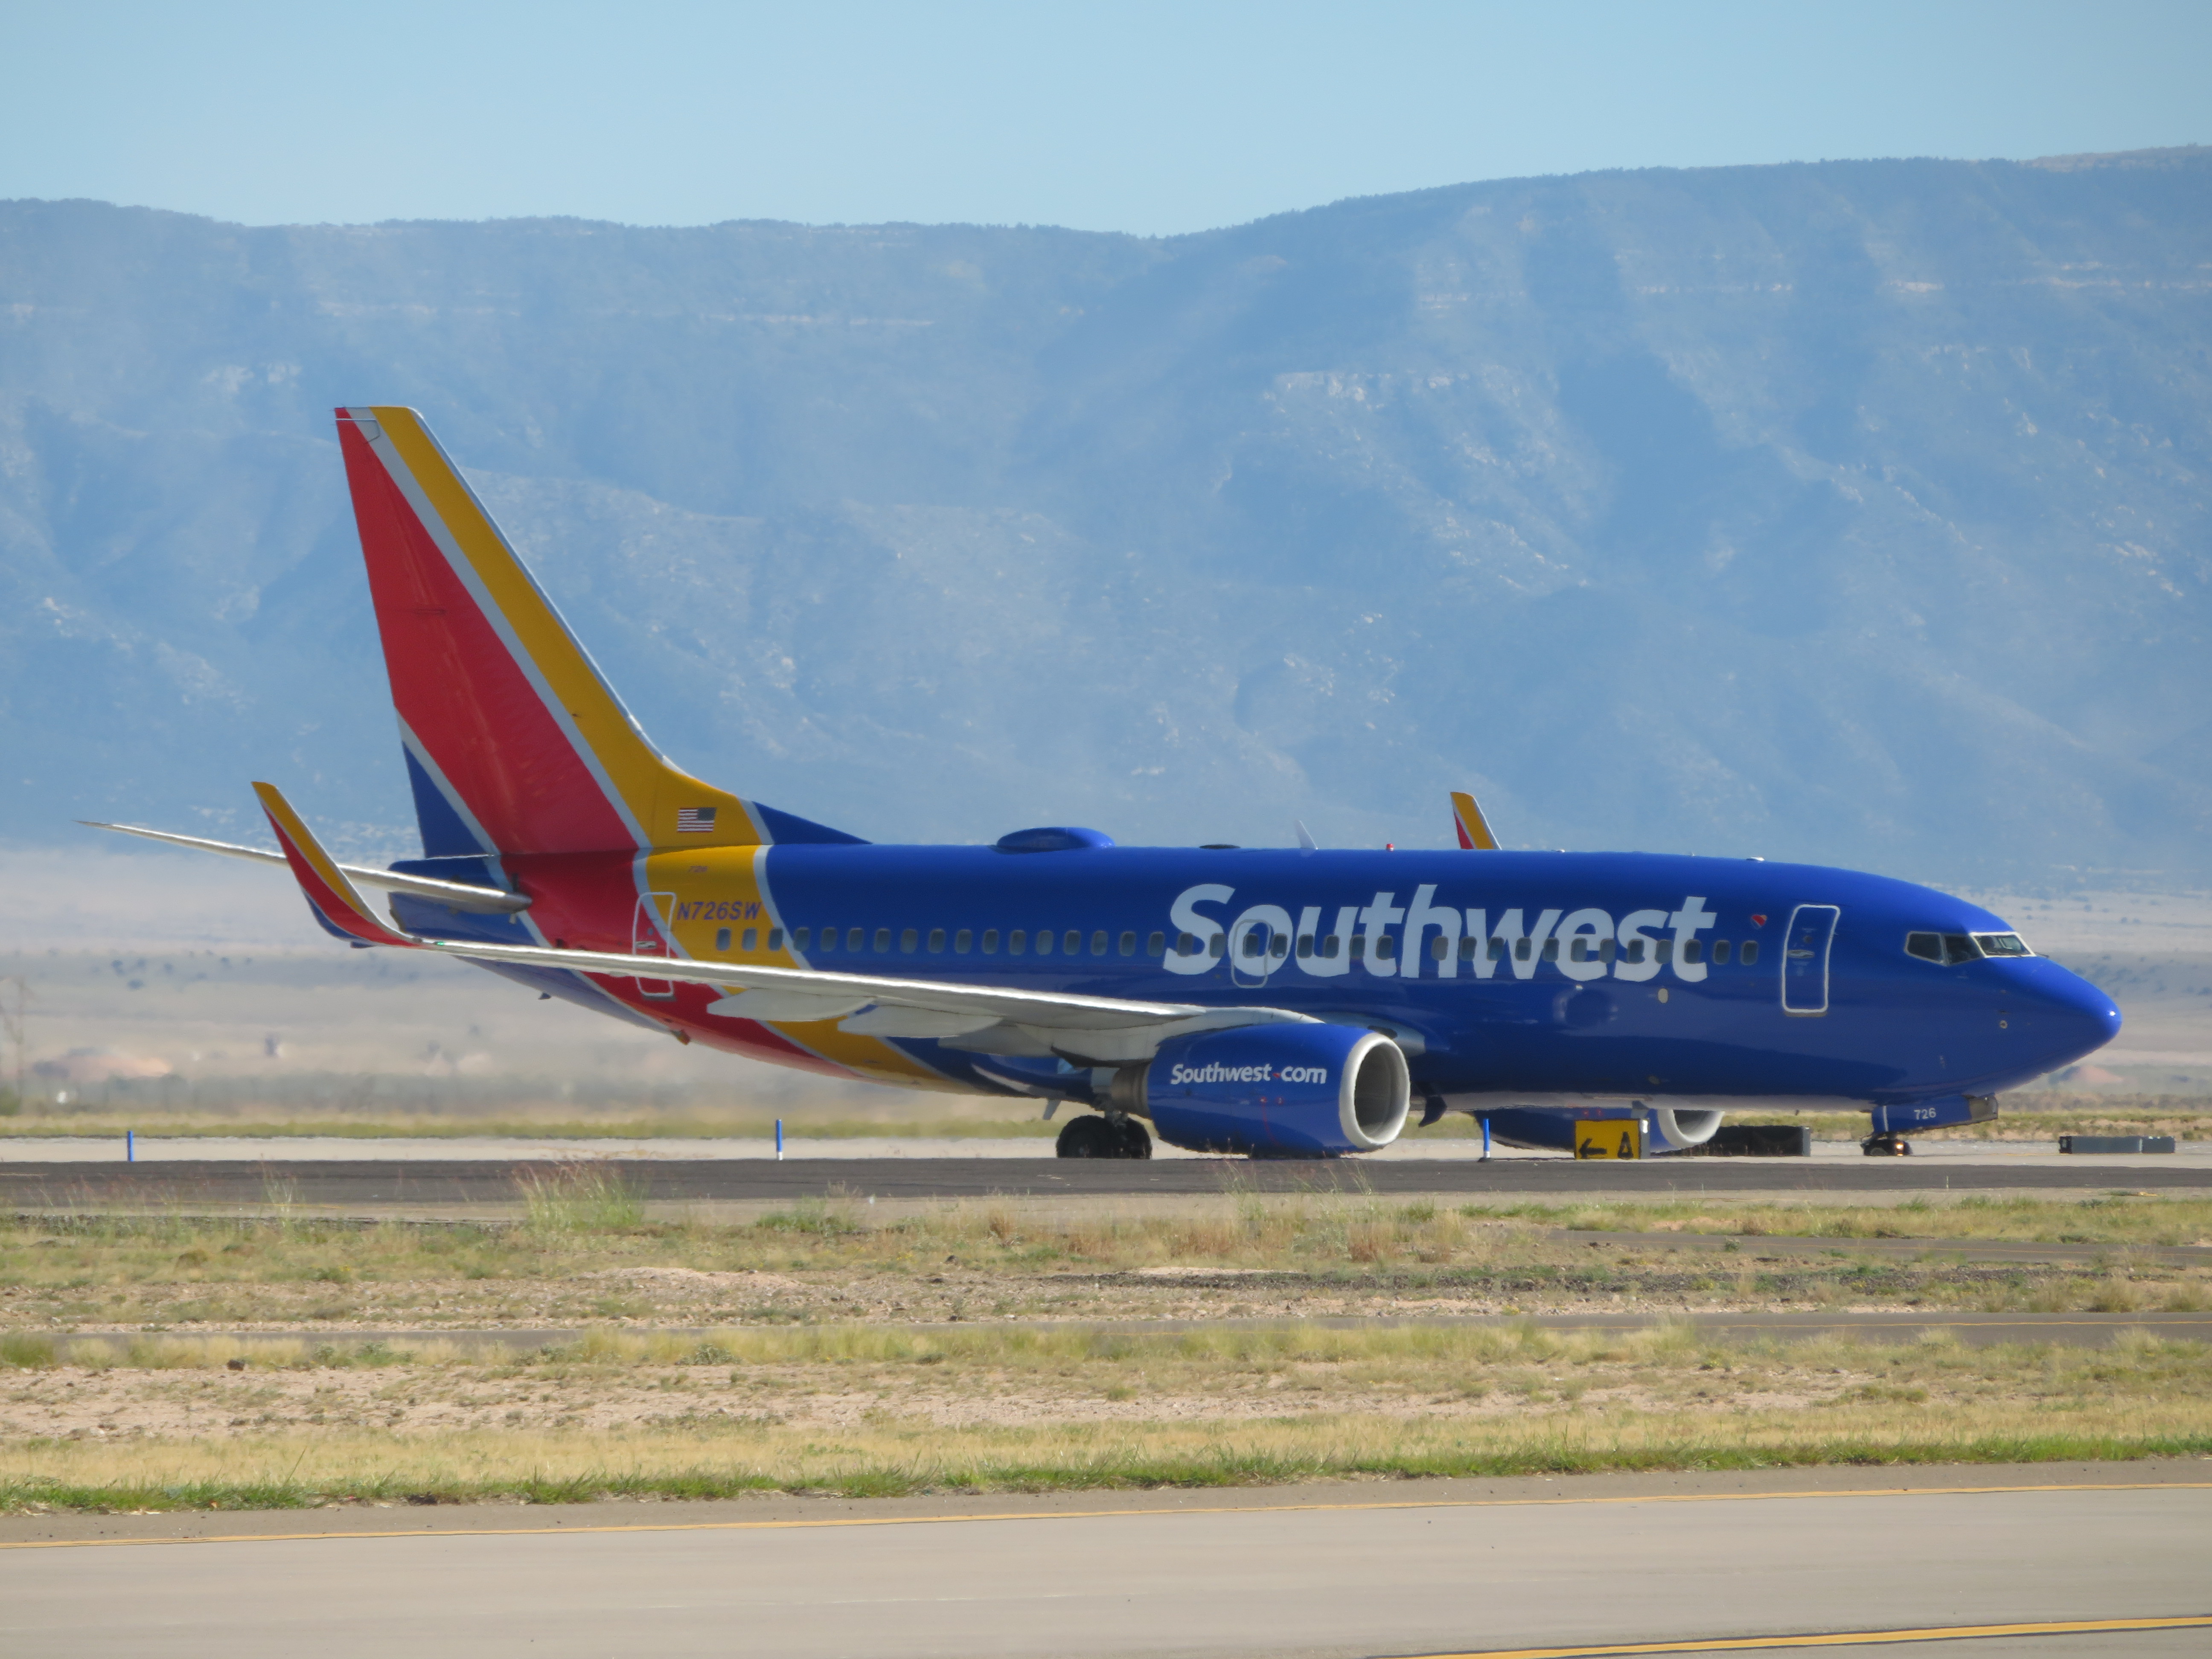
1273,1090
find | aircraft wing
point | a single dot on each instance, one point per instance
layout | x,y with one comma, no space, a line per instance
1104,1029
1474,829
458,895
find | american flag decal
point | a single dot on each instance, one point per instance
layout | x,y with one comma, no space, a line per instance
694,820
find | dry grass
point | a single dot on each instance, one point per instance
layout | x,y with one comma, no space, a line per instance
840,1411
2038,1116
583,1252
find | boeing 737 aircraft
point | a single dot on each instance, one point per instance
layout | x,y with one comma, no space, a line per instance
1292,1003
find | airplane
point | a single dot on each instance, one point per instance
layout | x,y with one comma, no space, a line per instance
1267,1003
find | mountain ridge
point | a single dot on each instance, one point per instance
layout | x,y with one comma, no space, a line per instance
1849,512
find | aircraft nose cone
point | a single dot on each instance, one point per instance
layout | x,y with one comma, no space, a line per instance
2080,1018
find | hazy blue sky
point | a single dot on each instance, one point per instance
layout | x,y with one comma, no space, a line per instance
1131,117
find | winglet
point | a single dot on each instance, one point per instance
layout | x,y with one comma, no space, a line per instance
327,887
1474,829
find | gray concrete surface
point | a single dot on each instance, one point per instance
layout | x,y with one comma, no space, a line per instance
1348,1569
395,1186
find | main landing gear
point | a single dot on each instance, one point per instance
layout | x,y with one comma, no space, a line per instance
1886,1144
1115,1135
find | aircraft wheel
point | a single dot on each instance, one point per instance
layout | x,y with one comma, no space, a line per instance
1086,1137
1135,1141
1885,1146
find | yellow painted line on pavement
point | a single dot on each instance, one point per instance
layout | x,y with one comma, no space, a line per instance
1837,1638
1101,1515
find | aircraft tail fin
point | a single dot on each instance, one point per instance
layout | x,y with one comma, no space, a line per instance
338,903
515,743
1474,829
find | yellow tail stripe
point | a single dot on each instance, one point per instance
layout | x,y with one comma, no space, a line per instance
650,788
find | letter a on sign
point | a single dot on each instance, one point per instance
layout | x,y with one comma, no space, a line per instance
1610,1138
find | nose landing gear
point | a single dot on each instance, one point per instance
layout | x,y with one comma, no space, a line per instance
1886,1144
1115,1134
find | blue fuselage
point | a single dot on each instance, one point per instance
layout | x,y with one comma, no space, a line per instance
1598,995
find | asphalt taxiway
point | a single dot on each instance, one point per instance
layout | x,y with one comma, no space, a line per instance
392,1184
2048,1560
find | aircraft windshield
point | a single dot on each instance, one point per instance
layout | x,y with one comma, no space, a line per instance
2002,945
1949,948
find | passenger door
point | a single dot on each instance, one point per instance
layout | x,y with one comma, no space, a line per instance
1805,959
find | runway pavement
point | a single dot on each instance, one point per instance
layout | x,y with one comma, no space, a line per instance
387,1184
2032,1560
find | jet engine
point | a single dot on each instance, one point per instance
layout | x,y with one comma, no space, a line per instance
1272,1091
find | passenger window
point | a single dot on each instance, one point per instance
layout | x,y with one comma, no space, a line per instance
1520,949
963,940
1467,950
1355,947
855,937
1606,950
1305,946
1551,949
991,941
1044,941
2002,945
1185,944
751,939
1097,943
909,938
1750,952
1279,946
1219,947
1636,950
936,940
1386,946
1072,942
882,939
1128,945
1578,949
799,938
1156,945
1666,950
721,939
1330,945
775,938
1929,947
1017,942
1252,946
1498,950
1694,950
1440,947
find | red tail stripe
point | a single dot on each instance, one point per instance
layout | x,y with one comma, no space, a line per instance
459,689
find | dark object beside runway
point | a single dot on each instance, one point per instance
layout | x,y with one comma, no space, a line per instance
2116,1143
369,1183
1756,1140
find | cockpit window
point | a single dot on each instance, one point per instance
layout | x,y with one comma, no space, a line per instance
1952,948
2002,945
